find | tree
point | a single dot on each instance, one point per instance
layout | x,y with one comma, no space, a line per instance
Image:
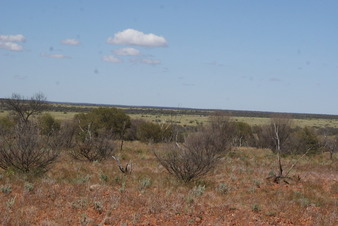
113,120
149,132
243,134
23,108
305,140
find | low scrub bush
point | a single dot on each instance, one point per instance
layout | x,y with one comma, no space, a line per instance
200,152
154,132
23,149
92,146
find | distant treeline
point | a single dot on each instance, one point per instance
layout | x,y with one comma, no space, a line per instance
146,110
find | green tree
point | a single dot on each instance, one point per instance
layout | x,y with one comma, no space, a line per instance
111,119
243,134
104,119
108,119
305,140
149,132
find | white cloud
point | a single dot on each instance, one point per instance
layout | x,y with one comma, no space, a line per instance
12,38
138,38
10,46
9,42
58,56
72,42
111,59
127,52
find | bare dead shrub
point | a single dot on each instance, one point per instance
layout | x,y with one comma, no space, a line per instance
25,150
64,138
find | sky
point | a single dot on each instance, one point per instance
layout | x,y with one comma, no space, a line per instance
262,55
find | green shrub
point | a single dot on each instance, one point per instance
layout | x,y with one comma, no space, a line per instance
48,124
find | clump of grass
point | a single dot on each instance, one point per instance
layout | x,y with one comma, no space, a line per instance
78,204
190,199
255,207
300,199
29,187
98,207
271,214
10,202
6,189
197,190
257,183
222,188
85,220
119,179
123,187
82,180
144,183
103,177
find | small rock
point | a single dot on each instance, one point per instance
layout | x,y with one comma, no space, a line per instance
94,187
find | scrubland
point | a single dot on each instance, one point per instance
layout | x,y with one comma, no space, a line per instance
236,192
104,167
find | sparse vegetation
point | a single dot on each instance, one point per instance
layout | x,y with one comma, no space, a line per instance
223,174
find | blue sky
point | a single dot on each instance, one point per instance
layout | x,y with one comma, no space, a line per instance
263,55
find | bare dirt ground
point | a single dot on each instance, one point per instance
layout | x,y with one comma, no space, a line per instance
235,193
